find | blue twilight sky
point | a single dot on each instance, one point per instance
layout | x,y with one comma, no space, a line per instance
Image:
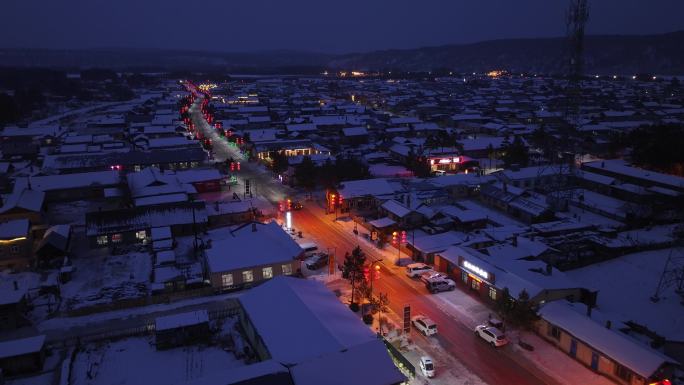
322,25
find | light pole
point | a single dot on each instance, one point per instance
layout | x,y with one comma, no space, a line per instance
374,269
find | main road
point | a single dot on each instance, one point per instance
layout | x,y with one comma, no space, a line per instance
494,366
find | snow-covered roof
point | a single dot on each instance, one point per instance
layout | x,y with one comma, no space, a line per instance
639,358
72,181
381,223
368,363
27,199
14,229
254,244
244,373
437,242
198,175
159,233
396,208
180,320
21,346
303,308
355,131
360,188
618,166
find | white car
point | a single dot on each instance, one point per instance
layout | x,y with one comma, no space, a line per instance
427,367
494,336
424,325
415,269
428,275
436,285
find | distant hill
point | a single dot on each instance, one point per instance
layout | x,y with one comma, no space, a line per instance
659,54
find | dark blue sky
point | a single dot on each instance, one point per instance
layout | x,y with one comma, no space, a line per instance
322,25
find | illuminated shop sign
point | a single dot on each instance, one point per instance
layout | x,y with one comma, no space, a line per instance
482,273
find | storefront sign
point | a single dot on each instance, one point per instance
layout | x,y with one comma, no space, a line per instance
477,270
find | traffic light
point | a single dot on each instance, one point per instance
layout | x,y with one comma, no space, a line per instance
394,238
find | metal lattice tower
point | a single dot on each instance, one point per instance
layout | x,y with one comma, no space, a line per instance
673,273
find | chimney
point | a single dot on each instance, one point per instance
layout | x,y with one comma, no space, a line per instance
16,285
515,241
608,324
254,227
549,269
505,187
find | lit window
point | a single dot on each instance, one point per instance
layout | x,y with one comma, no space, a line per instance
227,279
142,234
247,276
102,240
492,293
116,238
287,269
267,272
137,168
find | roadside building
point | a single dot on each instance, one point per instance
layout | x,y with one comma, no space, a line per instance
250,254
337,343
22,355
16,244
600,348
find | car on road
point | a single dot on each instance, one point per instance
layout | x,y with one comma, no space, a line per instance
494,336
427,367
436,285
309,248
415,269
316,261
428,275
424,325
297,206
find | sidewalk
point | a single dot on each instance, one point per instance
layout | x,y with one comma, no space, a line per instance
471,311
447,368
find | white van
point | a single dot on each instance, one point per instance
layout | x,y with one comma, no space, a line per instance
415,269
309,248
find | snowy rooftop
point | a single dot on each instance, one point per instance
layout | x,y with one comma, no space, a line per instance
618,166
368,363
254,244
14,229
180,320
303,308
396,208
629,298
360,188
21,346
641,359
78,180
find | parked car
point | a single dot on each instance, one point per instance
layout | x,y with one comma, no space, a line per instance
494,336
309,249
427,367
317,261
428,275
424,325
415,269
436,285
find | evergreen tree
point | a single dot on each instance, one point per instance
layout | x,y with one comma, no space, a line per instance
352,269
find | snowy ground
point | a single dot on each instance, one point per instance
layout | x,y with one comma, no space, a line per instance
105,278
110,363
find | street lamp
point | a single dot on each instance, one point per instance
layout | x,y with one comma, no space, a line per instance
372,273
